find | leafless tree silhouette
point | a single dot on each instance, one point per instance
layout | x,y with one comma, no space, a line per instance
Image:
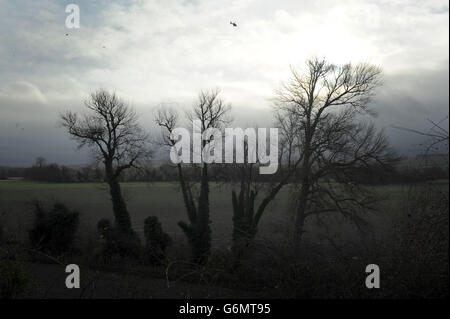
254,194
111,130
320,112
212,112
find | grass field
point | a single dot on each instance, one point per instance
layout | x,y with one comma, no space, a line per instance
164,200
334,253
143,199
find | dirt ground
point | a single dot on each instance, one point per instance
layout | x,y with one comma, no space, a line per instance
48,281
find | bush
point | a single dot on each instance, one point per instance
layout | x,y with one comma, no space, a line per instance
421,258
54,232
157,240
116,243
14,280
2,231
3,219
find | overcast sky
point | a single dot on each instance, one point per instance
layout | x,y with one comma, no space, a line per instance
159,51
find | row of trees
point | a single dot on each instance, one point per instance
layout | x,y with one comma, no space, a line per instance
54,173
320,114
421,169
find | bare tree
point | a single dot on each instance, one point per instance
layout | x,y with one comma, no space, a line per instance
252,193
168,119
40,162
111,130
322,109
212,112
255,193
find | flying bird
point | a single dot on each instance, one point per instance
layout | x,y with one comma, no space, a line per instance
233,24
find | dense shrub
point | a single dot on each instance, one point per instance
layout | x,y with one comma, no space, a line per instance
422,243
14,281
157,240
2,227
53,232
116,243
2,231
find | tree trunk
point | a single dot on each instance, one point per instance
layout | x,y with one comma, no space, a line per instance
300,223
202,226
121,215
187,196
303,198
244,224
198,230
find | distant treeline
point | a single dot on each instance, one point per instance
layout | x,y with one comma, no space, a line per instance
54,173
400,176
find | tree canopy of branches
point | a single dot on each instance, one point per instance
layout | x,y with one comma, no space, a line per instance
320,114
111,130
212,112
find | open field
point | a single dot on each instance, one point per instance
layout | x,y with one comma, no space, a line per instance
164,200
144,199
336,252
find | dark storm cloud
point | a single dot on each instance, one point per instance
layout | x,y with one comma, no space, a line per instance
409,99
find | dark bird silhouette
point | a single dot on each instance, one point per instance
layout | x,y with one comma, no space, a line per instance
233,24
67,34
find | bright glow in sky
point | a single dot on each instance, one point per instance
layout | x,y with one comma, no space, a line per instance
154,51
